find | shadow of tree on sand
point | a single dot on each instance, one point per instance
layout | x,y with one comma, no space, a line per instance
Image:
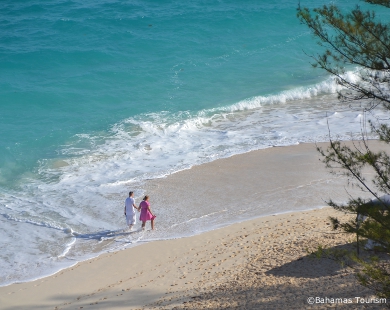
255,285
310,266
288,286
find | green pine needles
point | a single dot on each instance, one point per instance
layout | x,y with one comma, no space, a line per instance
359,39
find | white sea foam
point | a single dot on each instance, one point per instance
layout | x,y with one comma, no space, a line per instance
329,86
80,199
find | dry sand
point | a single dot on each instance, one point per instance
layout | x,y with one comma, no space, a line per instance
257,264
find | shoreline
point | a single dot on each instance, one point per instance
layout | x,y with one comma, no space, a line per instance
159,240
218,166
225,175
193,272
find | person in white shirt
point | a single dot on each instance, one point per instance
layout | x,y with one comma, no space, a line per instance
130,208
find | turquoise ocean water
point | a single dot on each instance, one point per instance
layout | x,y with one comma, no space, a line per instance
98,96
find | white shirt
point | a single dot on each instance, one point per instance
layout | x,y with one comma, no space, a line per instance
129,206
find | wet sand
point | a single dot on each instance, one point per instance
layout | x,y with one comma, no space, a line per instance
257,264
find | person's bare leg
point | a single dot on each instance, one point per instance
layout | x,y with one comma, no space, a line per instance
143,225
152,223
130,226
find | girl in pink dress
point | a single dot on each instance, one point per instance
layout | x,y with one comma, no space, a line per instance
146,213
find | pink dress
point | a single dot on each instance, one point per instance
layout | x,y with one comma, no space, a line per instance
145,214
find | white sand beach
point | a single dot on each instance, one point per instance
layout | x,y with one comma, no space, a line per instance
261,263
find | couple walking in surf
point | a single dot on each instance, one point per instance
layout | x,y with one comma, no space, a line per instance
144,208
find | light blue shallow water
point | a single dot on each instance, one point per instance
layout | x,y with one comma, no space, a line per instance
99,96
72,67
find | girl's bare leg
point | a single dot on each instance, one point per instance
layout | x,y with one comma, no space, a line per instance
143,225
152,223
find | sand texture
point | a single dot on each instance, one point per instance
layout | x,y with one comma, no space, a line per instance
258,264
261,263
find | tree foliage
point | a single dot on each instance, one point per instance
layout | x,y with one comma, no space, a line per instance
358,39
353,38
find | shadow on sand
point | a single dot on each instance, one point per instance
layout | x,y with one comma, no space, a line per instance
283,287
